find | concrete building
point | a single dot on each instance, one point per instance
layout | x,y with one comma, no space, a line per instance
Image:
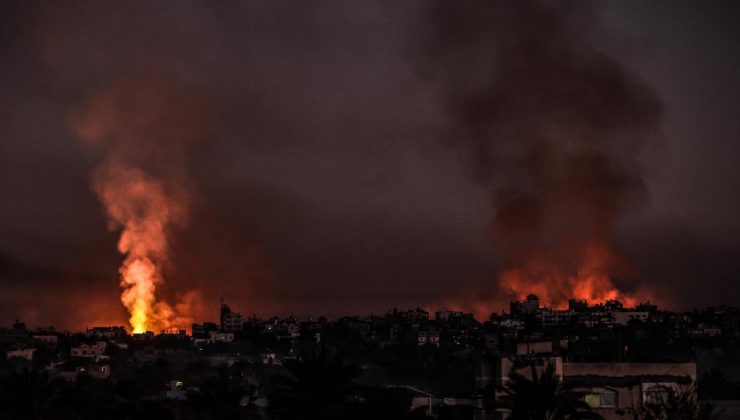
230,321
430,337
268,358
613,390
443,316
26,353
286,330
553,318
176,391
89,350
97,371
48,339
416,315
525,307
624,317
202,330
617,390
541,347
69,371
222,337
115,332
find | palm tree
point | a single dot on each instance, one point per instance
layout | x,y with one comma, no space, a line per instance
543,397
317,386
29,394
716,385
679,405
384,403
219,398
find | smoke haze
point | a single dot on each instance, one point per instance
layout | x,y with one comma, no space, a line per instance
555,126
143,184
347,157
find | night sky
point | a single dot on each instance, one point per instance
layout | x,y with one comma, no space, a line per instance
349,157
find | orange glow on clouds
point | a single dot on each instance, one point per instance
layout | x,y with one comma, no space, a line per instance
144,126
555,283
144,209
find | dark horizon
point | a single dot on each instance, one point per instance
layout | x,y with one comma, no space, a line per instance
212,315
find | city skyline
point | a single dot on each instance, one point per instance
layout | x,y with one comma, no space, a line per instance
369,209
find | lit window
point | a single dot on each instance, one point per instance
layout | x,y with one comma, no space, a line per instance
600,397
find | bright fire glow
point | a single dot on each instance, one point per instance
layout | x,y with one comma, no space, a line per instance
139,277
144,209
555,282
144,125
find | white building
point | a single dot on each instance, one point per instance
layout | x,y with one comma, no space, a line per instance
98,371
615,391
49,339
21,353
89,350
223,337
624,317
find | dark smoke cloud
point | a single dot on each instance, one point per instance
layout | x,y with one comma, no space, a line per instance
322,184
553,123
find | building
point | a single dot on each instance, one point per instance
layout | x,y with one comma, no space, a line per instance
433,338
705,330
89,350
97,371
613,390
72,369
220,337
147,355
624,317
430,337
147,335
540,347
268,358
731,321
415,315
554,318
443,316
26,353
230,321
525,307
115,332
48,339
575,305
202,330
176,391
507,322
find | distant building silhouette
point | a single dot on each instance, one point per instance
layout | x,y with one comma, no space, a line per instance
230,321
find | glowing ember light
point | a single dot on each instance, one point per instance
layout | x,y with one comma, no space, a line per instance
140,204
555,283
138,277
145,126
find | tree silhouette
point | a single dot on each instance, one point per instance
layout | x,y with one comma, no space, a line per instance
384,403
543,397
678,405
220,398
29,394
716,385
317,386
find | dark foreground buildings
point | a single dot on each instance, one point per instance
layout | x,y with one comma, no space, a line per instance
618,362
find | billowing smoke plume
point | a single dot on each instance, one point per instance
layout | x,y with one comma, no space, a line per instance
145,128
555,127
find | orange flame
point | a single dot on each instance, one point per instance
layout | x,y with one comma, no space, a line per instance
555,284
145,125
145,209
